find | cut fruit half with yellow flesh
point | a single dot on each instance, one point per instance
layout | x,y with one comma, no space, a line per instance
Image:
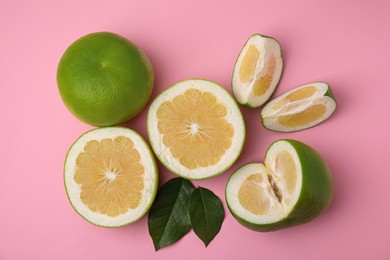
257,70
111,178
293,186
196,129
300,108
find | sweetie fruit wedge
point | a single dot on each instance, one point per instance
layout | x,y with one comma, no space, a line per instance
300,108
257,71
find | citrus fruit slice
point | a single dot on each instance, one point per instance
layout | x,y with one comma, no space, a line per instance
292,187
299,108
257,70
111,178
196,129
104,79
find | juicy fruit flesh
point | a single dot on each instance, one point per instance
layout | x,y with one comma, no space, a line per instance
285,166
259,192
248,69
295,96
303,118
110,175
252,195
263,83
194,128
248,65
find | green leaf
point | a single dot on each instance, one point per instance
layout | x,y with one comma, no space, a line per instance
206,214
168,219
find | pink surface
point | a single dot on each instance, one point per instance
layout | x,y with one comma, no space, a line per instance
342,42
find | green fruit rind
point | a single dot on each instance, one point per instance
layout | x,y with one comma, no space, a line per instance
315,196
178,173
104,79
248,103
329,93
155,187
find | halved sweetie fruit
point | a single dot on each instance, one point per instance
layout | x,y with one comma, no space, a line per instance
300,108
257,70
196,129
111,178
292,187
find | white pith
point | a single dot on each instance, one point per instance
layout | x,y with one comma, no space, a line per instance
244,91
111,175
278,210
150,177
270,116
194,128
233,116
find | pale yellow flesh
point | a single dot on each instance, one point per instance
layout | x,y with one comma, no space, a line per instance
303,118
263,83
285,166
110,174
248,64
247,71
295,96
257,190
194,128
252,196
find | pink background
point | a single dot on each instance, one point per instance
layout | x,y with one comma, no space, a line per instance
342,42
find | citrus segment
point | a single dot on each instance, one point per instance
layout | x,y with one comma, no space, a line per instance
195,128
303,118
251,195
263,83
285,167
257,70
248,66
296,95
299,108
110,176
292,187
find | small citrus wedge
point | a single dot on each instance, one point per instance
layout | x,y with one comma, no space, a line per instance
293,186
196,129
300,108
257,70
111,178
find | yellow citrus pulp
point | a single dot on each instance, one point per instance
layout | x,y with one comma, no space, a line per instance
110,176
200,125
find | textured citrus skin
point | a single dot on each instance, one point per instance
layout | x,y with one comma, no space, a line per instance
104,79
315,196
329,93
